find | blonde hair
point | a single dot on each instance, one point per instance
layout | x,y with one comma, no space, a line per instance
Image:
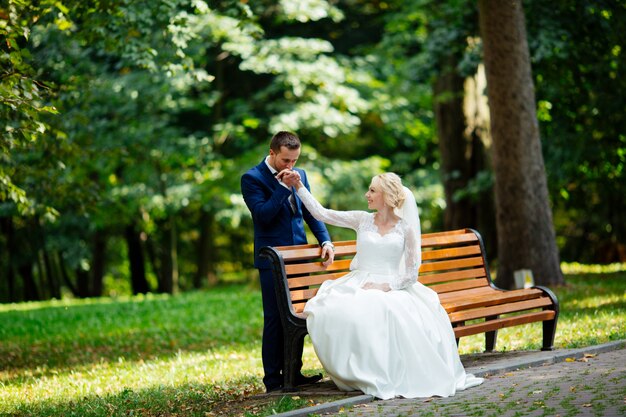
391,186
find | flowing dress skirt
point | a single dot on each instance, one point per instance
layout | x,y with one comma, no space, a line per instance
386,344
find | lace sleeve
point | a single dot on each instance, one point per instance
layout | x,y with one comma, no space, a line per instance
349,219
412,259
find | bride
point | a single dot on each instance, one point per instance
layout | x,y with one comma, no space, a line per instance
377,329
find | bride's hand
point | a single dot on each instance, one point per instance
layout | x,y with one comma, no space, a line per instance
374,286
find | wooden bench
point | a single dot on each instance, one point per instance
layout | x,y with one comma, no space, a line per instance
453,264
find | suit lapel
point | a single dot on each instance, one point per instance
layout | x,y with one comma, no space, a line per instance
267,175
271,182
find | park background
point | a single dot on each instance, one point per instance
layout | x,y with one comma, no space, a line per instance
126,126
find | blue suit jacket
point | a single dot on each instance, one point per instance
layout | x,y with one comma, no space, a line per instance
275,223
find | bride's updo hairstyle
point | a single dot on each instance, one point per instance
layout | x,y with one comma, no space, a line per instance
391,186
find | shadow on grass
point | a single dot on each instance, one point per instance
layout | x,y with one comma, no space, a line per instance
63,336
184,400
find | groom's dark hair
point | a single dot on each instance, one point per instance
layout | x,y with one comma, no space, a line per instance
287,139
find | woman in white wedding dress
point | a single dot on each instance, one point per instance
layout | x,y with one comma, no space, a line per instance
377,329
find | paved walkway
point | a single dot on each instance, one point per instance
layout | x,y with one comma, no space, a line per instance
573,382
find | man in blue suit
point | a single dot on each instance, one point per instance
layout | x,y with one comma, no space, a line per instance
278,216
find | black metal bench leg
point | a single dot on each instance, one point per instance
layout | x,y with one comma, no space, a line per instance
293,360
549,331
490,337
490,340
289,374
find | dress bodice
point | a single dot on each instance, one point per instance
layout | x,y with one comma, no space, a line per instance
395,256
379,254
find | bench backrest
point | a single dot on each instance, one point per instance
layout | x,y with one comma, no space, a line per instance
451,261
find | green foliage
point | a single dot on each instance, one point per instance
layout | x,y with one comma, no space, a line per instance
145,114
578,62
22,97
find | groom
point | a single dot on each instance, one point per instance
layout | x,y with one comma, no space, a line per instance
278,216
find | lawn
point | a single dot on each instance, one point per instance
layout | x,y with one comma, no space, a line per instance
193,354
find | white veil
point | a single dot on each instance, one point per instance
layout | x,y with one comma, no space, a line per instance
410,214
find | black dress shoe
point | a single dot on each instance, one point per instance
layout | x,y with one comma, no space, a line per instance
305,380
273,388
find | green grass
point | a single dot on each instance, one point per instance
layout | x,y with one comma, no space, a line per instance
189,354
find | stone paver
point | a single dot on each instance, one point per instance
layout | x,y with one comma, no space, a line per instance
589,381
589,386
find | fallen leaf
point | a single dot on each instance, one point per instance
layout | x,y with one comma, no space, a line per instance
590,355
573,388
587,405
583,360
570,360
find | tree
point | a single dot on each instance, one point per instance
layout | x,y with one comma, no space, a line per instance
21,96
160,105
577,49
526,238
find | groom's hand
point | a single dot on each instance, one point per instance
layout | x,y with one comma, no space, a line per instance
328,253
289,177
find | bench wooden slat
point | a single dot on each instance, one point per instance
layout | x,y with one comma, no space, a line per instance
472,292
300,295
501,323
499,309
430,255
459,285
428,279
447,239
313,279
315,252
307,268
451,264
491,299
446,233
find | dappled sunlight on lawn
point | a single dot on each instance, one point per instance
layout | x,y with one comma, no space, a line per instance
570,268
213,368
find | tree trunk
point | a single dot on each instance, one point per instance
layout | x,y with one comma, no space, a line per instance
98,263
6,226
11,285
82,282
153,257
138,280
453,146
31,292
64,275
23,260
54,283
526,237
462,119
169,255
169,258
206,251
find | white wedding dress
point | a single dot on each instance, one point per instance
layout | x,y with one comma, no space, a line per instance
386,344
